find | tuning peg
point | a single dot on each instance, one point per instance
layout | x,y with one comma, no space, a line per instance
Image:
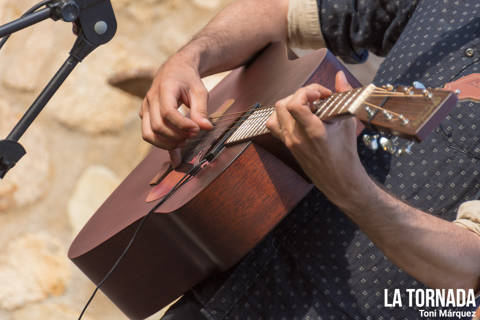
388,145
419,85
404,120
370,112
388,115
371,141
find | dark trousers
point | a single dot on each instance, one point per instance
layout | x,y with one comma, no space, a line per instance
187,308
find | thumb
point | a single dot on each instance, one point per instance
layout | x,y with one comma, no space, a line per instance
341,82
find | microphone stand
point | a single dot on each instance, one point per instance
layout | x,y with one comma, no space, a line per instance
94,24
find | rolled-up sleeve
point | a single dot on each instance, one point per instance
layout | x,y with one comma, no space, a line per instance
304,25
349,28
468,216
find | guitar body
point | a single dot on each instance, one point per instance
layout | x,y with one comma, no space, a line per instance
217,217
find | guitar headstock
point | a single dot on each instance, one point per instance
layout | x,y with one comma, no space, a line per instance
405,111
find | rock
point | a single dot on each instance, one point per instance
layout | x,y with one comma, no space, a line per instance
7,194
32,268
48,311
93,187
21,68
28,180
136,82
87,103
207,4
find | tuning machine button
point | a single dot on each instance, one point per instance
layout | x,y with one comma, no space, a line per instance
388,145
419,85
371,141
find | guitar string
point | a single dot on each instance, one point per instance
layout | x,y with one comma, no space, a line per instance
232,115
237,125
260,115
269,106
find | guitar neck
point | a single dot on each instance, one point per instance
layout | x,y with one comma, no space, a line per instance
337,104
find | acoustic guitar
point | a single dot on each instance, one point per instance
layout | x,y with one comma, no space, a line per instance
248,181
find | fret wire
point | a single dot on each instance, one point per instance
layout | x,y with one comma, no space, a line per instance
324,105
346,105
337,104
338,95
264,122
351,99
247,130
345,95
262,126
260,123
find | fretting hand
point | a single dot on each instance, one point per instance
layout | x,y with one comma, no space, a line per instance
327,151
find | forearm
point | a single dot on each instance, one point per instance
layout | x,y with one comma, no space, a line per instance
438,253
235,35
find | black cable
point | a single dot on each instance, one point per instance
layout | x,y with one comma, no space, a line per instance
29,11
193,171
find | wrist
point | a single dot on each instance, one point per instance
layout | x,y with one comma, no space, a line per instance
359,192
189,56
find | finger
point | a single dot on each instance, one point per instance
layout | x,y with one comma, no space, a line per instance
166,108
299,105
149,136
341,82
346,123
167,131
198,107
284,118
274,127
325,92
175,157
142,107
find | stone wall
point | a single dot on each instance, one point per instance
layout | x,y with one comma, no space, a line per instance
83,144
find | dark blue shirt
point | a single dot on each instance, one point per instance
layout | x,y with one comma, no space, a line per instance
317,264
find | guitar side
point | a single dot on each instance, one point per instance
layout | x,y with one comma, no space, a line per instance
217,217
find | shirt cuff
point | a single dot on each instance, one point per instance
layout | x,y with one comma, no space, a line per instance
304,25
468,216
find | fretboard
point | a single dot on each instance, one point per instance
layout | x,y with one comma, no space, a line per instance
335,105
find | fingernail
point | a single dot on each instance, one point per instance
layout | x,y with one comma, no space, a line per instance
206,122
342,76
